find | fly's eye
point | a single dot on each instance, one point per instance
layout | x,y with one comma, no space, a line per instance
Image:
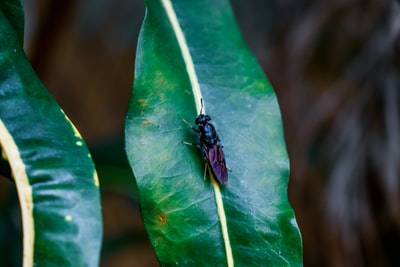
199,119
202,119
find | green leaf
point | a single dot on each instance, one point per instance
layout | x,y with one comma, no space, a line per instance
188,50
55,177
12,17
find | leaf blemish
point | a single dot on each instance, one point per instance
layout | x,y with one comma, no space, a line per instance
142,102
162,218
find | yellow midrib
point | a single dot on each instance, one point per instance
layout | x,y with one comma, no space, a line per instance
197,97
24,193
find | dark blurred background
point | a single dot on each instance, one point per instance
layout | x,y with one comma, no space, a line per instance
334,65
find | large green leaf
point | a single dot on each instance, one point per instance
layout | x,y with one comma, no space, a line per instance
190,50
51,166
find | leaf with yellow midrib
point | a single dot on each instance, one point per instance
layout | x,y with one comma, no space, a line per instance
188,51
55,177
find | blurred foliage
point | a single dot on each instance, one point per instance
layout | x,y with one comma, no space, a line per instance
337,66
113,168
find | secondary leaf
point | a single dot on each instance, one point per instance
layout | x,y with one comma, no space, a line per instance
190,50
51,166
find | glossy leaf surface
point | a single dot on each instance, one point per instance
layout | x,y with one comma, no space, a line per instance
189,50
55,177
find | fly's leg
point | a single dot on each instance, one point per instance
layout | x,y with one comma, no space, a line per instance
205,170
194,129
190,144
188,124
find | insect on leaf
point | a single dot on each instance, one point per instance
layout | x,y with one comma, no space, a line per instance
189,51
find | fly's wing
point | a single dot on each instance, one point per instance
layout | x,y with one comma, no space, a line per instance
216,160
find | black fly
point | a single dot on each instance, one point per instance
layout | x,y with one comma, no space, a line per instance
211,147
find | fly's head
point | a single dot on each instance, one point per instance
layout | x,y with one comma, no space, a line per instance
202,119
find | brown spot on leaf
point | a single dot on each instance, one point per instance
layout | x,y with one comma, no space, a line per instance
162,218
142,102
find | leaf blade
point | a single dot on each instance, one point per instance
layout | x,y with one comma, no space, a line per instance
56,181
245,111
